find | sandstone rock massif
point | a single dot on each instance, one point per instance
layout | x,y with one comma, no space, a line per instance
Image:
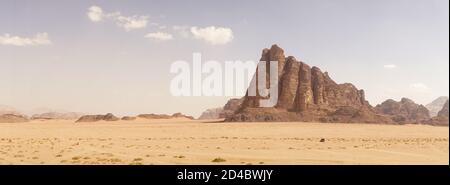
307,94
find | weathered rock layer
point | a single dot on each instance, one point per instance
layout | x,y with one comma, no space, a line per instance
305,94
404,111
95,118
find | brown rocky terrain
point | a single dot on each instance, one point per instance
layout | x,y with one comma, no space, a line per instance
13,118
164,116
57,115
95,118
307,94
404,111
128,118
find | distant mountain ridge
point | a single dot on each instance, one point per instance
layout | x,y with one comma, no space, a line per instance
436,105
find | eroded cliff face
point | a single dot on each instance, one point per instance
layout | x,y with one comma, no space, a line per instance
404,111
442,117
305,94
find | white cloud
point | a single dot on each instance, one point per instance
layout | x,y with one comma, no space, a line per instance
38,39
420,88
133,22
213,35
390,66
159,36
96,14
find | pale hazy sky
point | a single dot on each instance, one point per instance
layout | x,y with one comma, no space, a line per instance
115,56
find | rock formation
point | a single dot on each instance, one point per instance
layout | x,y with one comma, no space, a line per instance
213,113
95,118
128,118
13,118
218,113
57,115
180,115
164,116
306,94
404,111
442,117
444,111
436,105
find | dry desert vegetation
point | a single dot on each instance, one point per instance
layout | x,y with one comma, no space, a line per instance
182,141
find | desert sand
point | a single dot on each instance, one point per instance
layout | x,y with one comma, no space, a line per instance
180,141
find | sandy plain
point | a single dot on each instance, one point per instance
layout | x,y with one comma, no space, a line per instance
179,141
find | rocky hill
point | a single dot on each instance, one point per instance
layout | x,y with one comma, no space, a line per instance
95,118
444,111
307,94
164,116
57,115
436,105
227,110
404,111
13,118
441,118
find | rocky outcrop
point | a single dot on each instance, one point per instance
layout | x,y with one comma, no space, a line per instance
227,110
95,118
57,115
164,116
289,82
442,117
436,105
180,115
404,111
13,118
231,107
211,114
444,111
128,118
305,94
154,116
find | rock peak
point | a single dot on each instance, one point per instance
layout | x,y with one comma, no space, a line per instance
302,89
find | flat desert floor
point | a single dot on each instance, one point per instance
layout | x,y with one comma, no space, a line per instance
202,142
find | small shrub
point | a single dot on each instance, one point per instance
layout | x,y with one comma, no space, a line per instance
218,160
